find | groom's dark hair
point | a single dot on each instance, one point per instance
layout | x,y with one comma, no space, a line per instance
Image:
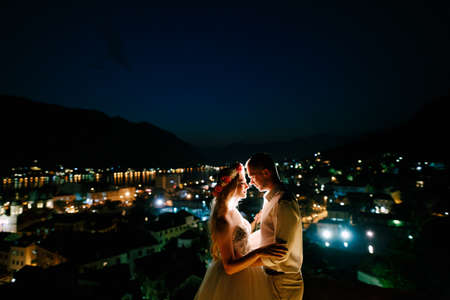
261,161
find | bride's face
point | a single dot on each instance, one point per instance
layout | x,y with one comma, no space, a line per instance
242,187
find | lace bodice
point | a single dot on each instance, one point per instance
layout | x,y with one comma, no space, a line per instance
240,237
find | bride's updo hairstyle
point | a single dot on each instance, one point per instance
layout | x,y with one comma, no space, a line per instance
224,190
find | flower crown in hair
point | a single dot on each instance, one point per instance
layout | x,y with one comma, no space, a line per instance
225,180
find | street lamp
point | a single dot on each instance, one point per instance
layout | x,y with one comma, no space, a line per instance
327,234
370,233
345,234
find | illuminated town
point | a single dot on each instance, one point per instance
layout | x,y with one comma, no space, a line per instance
104,224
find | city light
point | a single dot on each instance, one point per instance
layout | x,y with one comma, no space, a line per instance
327,234
370,233
371,249
327,244
397,222
345,234
345,244
159,202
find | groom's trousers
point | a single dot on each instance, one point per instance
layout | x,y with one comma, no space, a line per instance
287,286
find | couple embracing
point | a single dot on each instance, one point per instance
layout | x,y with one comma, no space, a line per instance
263,264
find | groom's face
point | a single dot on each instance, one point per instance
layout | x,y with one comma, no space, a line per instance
257,178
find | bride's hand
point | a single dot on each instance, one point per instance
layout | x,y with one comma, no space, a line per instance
273,250
256,221
257,218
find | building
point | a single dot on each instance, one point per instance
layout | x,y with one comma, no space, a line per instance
120,257
339,212
168,182
17,253
123,195
186,239
8,223
171,225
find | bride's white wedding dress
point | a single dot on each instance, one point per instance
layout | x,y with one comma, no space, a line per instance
250,283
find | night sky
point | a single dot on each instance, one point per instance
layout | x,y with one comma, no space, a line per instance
213,76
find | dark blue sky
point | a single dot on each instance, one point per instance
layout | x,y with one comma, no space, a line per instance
219,75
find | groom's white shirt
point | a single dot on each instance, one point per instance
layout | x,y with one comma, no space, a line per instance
281,222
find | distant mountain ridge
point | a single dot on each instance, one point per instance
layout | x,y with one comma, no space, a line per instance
425,136
53,134
297,148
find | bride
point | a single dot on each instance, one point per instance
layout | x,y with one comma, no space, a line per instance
235,272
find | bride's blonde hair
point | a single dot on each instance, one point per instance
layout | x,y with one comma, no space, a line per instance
227,182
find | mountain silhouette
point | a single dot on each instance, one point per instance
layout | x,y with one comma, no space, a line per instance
53,134
298,148
423,137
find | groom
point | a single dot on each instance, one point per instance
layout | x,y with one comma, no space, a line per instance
281,223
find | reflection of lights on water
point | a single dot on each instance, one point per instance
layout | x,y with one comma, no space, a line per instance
371,249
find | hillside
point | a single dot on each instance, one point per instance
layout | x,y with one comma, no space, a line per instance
423,137
54,134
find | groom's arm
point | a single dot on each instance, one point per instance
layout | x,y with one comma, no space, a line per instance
285,217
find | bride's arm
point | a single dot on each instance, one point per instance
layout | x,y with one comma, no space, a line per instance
224,241
233,265
257,263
